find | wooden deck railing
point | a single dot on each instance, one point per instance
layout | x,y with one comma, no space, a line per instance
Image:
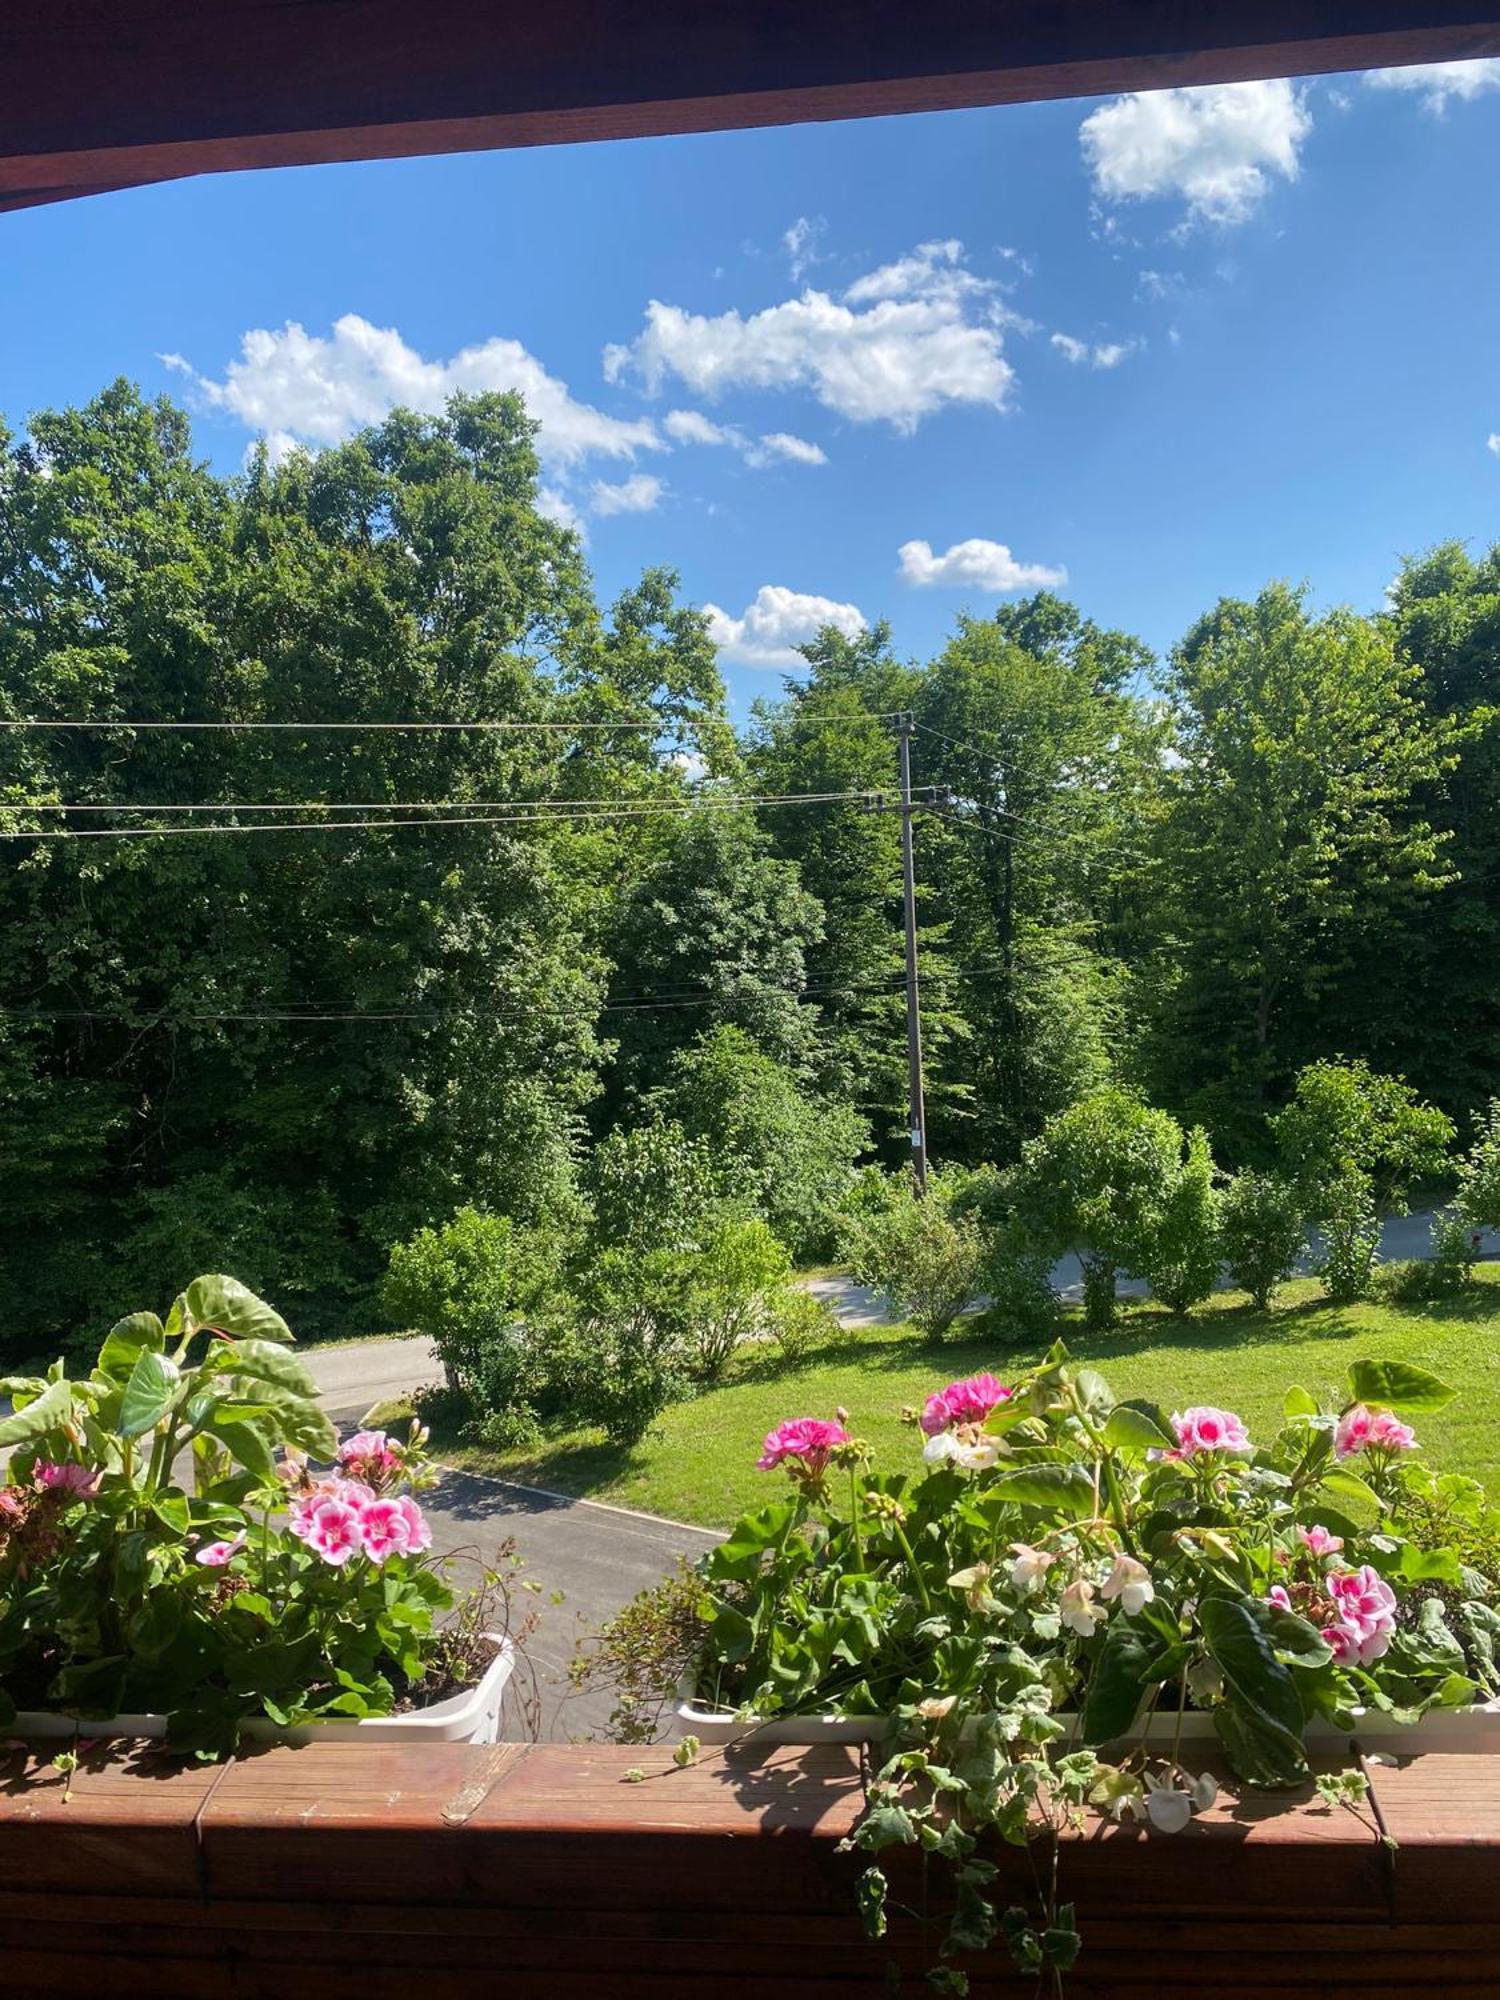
533,1872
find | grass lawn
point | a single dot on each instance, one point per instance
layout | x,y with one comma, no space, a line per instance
699,1465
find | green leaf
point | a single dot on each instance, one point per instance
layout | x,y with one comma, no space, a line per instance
1093,1392
1297,1643
230,1307
1117,1687
738,1559
1133,1429
1298,1403
1398,1386
262,1361
1258,1753
1262,1687
1056,1489
293,1419
51,1408
125,1341
1362,1502
245,1445
154,1381
733,1635
1429,1565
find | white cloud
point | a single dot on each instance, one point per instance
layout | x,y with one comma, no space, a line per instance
1108,354
800,243
904,342
772,447
975,564
692,427
783,444
636,495
1441,83
302,388
776,623
554,505
1216,147
1494,443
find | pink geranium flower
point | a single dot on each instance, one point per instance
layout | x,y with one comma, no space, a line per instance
214,1555
75,1479
393,1528
1204,1429
1319,1542
806,1441
370,1456
334,1531
1367,1607
966,1402
1361,1428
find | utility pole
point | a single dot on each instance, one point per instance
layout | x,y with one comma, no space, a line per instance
905,724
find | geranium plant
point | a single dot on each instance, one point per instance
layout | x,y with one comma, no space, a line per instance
167,1546
1040,1604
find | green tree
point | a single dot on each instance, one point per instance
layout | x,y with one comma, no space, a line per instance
370,1026
1445,618
1292,846
786,1152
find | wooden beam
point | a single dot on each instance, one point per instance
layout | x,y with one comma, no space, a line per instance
99,94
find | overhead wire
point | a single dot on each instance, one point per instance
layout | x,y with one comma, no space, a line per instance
500,726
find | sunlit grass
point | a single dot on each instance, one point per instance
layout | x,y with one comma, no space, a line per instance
699,1465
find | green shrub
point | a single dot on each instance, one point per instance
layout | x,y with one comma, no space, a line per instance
1182,1239
1095,1181
1023,1299
1351,1241
799,1324
1261,1235
1349,1127
472,1286
1478,1197
924,1255
1442,1275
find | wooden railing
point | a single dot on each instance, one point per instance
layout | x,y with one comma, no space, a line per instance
535,1872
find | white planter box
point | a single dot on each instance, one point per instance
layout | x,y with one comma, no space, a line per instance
472,1716
1447,1729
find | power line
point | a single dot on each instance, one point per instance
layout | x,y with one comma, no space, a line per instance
889,985
591,816
658,727
675,804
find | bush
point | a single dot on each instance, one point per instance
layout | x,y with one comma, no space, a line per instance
924,1255
731,1290
1182,1248
1096,1181
1443,1274
1478,1197
471,1286
1347,1126
1351,1242
619,1358
1260,1233
1023,1298
800,1324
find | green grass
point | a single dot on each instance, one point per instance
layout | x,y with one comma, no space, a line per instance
700,1463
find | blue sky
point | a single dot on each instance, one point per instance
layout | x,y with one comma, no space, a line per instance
1171,346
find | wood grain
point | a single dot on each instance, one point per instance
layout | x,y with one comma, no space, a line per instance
537,1871
96,94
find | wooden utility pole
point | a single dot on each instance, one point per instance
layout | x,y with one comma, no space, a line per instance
915,1102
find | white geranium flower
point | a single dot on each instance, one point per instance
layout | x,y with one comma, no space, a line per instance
974,1453
1079,1612
1130,1582
1029,1570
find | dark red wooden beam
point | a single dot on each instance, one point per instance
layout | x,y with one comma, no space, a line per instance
97,94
